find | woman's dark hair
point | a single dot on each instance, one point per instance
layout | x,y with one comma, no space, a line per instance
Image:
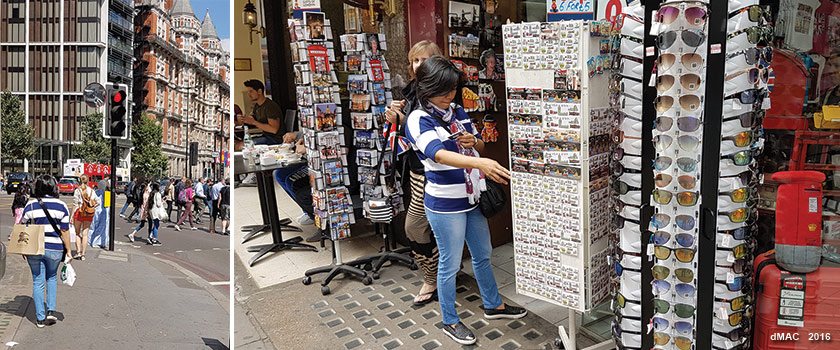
155,187
437,76
23,190
46,185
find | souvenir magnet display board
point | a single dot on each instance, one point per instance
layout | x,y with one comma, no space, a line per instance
319,108
559,184
369,85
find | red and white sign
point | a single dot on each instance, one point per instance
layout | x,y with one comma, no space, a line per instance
97,169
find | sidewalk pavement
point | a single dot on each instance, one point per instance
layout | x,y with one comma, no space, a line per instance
121,300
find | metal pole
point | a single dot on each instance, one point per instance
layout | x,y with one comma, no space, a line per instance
187,152
115,152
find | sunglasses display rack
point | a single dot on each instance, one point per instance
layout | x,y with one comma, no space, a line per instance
319,107
369,86
559,145
626,96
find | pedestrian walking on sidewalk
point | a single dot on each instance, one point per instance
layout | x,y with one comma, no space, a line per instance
156,213
187,197
85,202
137,197
179,187
129,189
21,198
455,177
98,236
214,204
169,197
56,246
224,207
198,199
144,213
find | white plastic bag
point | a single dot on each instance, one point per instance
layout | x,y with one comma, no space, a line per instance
68,275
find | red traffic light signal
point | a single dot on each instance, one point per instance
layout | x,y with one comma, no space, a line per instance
116,118
118,96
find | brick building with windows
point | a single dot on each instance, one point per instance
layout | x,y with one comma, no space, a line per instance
49,51
181,79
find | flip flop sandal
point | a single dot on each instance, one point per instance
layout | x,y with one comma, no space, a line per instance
433,297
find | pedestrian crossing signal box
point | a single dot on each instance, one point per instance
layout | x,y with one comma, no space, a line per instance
107,199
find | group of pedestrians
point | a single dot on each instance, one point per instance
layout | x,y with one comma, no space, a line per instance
153,205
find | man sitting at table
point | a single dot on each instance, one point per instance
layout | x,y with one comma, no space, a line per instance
266,116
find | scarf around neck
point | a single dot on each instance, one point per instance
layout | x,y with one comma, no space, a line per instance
472,177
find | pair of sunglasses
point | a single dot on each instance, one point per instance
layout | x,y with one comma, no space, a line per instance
740,284
737,215
685,164
682,254
744,138
754,54
662,338
690,61
687,124
687,182
741,195
683,239
748,119
741,158
687,143
682,310
690,37
682,327
660,221
739,233
684,290
756,13
622,187
682,274
740,266
738,303
756,34
735,334
755,74
740,251
749,96
694,15
688,103
685,199
737,318
690,82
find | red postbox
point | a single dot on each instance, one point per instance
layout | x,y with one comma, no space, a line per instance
799,220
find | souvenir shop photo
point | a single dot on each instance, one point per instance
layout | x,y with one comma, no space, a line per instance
647,145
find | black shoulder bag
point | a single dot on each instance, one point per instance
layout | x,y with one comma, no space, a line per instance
493,198
55,227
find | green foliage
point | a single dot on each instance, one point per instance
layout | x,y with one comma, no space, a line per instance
17,135
147,160
94,148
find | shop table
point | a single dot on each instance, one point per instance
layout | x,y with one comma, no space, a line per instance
268,206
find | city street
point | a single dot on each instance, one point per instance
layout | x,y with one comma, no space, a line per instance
139,296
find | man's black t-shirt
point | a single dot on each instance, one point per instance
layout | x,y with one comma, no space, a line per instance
224,194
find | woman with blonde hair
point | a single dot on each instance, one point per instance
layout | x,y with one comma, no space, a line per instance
417,228
85,202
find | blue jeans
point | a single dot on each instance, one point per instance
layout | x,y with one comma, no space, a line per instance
44,268
287,177
451,230
154,228
125,206
209,207
143,223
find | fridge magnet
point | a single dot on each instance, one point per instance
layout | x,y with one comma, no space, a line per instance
489,132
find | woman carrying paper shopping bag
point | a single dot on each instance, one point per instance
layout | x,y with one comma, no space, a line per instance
41,210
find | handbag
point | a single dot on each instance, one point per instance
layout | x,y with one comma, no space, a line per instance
27,240
493,199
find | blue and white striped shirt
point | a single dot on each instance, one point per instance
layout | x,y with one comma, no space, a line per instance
446,190
33,214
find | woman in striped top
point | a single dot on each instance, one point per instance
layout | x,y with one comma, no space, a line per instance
448,145
44,267
417,228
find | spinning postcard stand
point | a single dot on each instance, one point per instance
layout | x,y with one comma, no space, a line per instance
559,145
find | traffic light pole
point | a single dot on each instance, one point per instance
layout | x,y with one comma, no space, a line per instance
112,211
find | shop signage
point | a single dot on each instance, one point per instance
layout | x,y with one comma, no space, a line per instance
792,300
301,6
569,9
608,9
97,169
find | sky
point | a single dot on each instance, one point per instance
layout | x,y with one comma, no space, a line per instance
220,13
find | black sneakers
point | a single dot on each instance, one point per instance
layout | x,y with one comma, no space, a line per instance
460,334
51,319
40,323
156,243
511,312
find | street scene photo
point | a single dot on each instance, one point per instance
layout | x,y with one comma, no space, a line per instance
114,174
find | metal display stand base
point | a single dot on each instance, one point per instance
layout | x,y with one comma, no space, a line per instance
264,249
568,340
254,230
338,267
376,261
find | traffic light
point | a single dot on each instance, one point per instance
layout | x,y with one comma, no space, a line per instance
193,153
116,113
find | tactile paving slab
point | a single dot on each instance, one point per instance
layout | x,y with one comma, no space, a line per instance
381,316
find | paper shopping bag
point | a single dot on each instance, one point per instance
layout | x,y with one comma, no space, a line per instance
27,240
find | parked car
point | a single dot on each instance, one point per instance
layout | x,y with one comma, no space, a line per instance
67,185
15,180
121,186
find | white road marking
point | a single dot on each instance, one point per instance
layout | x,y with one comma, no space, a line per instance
217,248
197,250
179,251
220,283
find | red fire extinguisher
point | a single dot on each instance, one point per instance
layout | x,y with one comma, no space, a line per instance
799,220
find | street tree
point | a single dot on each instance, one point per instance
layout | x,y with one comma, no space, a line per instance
17,141
147,158
94,148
